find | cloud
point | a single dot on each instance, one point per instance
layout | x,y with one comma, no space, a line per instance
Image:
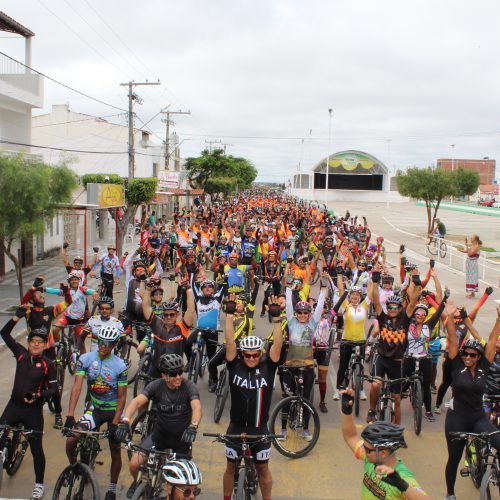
405,80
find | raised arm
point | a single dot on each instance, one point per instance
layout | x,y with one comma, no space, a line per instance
289,304
450,328
145,295
377,306
231,349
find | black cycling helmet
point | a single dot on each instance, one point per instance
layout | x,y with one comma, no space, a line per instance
170,306
170,363
39,332
387,278
139,263
384,435
156,289
394,299
106,300
473,344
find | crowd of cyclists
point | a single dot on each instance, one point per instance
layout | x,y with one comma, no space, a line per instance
322,282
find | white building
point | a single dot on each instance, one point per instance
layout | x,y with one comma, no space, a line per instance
107,142
21,90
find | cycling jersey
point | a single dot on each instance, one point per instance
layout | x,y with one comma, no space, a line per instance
375,488
104,376
207,308
34,375
167,341
251,391
76,310
109,264
236,277
392,343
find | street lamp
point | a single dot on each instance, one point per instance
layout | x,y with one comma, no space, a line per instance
330,110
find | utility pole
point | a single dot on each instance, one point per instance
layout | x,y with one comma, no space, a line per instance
226,145
212,142
132,96
168,122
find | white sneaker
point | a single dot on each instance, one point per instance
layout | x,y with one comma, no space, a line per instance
283,435
38,491
437,410
336,395
362,395
307,435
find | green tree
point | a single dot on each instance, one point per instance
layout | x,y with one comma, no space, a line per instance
432,185
30,193
138,192
219,174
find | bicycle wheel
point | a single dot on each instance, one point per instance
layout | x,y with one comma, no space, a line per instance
129,354
357,385
386,413
203,361
432,248
295,414
76,482
1,469
17,451
221,395
416,402
60,372
70,363
143,492
490,485
243,488
142,378
142,426
195,366
443,249
475,461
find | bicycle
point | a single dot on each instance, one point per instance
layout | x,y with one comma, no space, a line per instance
482,462
386,402
245,476
77,481
126,349
143,424
354,374
494,402
150,480
143,377
436,245
199,358
221,393
416,391
299,414
13,446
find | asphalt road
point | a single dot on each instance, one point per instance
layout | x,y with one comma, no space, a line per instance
328,472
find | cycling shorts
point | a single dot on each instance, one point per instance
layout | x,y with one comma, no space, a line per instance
168,442
65,320
322,357
94,418
261,452
392,368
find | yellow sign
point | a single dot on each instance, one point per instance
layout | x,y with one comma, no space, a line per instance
111,195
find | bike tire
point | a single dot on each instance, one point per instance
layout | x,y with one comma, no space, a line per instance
386,414
417,402
195,366
142,378
275,426
70,363
60,373
431,248
489,484
67,478
145,429
358,386
476,463
443,250
241,487
1,470
221,395
16,456
132,359
69,351
143,492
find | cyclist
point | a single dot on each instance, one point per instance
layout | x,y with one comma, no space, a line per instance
393,327
157,299
178,414
95,323
236,274
107,383
354,310
34,381
385,475
251,376
78,264
271,273
469,366
183,479
242,324
110,266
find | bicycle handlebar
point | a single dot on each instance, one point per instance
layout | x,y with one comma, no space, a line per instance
75,430
480,435
7,427
243,436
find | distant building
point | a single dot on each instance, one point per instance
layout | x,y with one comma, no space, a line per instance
485,167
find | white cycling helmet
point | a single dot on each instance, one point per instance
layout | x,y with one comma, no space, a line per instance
356,289
183,472
109,333
251,343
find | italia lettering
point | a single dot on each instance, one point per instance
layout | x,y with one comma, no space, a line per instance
248,383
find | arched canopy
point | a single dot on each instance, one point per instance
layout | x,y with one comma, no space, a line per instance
351,162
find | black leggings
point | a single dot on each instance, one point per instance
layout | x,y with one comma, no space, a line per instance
56,398
463,421
426,370
210,337
108,281
445,382
345,355
215,361
291,389
32,418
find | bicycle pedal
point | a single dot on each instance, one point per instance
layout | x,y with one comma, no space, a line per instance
465,472
98,462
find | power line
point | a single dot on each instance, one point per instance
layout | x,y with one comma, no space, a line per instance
81,38
64,149
75,121
64,85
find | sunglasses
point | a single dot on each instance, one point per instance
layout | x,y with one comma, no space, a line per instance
467,354
369,450
104,343
189,491
393,308
247,355
169,315
177,373
301,312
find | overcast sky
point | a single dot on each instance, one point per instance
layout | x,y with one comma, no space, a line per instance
405,80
